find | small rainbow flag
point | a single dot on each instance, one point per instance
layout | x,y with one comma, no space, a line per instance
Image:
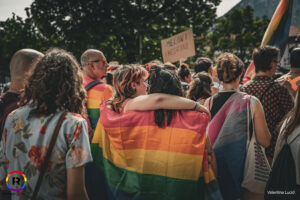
277,32
142,161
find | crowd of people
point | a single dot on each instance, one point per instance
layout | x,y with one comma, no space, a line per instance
147,131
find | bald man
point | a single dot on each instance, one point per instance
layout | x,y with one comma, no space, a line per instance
94,66
21,67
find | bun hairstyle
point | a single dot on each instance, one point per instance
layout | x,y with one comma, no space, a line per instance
163,81
184,71
229,67
200,86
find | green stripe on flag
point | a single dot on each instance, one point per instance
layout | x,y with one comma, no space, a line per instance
147,185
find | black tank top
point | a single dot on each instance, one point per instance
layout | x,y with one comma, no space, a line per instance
218,101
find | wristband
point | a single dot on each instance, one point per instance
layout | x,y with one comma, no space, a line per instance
197,105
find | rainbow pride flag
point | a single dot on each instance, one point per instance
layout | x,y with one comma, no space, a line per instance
277,32
95,96
142,161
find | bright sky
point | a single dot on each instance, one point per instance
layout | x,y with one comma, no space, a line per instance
7,7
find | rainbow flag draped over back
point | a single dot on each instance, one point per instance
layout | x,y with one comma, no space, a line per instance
142,161
277,32
227,132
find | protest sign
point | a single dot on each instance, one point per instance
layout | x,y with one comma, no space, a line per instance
178,46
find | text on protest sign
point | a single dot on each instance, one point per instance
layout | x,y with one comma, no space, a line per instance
178,46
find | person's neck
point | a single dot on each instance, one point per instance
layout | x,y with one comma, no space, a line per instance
228,87
15,88
260,73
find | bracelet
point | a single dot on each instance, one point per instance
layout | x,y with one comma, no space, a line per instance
197,105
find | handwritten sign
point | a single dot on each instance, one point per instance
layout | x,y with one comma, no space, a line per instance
178,46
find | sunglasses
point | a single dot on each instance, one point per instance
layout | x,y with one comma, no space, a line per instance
96,61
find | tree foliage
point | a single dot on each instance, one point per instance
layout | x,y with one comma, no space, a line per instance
129,31
125,30
239,33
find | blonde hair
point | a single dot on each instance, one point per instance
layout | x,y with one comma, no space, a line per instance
122,79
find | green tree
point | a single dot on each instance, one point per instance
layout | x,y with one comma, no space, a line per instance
15,34
125,30
239,33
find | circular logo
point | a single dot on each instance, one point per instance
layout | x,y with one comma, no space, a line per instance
16,181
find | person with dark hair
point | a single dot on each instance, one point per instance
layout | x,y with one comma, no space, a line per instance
162,81
275,98
200,88
203,64
169,66
291,79
228,127
21,66
185,76
55,87
162,149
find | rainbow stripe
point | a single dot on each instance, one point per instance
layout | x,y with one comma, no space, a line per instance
142,161
277,32
12,189
95,96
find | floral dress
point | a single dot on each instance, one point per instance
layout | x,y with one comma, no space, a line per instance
24,145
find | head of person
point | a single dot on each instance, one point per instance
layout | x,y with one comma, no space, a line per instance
229,68
94,64
163,81
200,87
184,73
265,59
295,58
56,83
129,81
203,64
22,65
169,66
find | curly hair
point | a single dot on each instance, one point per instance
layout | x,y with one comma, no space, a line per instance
164,81
122,79
200,86
56,83
229,67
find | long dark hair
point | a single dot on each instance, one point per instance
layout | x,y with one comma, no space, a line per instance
293,118
55,83
163,81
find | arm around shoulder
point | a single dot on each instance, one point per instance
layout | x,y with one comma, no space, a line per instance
161,101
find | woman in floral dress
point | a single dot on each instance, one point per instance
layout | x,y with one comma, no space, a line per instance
55,86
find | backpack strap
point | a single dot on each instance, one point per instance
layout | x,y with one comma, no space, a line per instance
290,142
48,155
92,84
